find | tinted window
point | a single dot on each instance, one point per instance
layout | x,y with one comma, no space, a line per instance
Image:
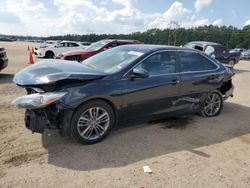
198,48
159,63
62,44
113,60
73,44
112,45
190,61
96,45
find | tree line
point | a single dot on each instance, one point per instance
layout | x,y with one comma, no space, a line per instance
230,36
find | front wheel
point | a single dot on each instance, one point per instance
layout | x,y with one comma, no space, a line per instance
49,54
92,122
212,105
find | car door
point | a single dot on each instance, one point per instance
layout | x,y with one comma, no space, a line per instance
73,46
197,77
60,48
154,95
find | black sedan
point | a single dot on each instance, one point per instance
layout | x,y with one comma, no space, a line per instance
129,83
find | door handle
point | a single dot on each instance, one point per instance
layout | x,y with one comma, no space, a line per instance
174,82
212,76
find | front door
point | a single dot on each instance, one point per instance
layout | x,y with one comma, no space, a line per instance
156,94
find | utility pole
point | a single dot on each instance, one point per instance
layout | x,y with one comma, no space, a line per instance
173,25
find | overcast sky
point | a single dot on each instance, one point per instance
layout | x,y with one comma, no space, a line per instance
56,17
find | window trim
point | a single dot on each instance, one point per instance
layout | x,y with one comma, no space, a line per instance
176,66
201,71
125,75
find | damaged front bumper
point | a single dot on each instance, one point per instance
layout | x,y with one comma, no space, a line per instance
45,111
36,121
40,119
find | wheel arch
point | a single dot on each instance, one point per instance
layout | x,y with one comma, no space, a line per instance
102,99
49,51
67,127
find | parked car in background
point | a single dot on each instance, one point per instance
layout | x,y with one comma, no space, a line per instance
52,51
86,43
3,59
217,51
245,55
44,44
48,43
94,48
129,83
238,50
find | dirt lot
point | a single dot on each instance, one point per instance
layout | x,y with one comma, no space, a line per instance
187,152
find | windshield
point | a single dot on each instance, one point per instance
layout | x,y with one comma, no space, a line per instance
96,45
113,60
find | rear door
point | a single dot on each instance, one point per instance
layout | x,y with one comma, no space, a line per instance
197,77
155,95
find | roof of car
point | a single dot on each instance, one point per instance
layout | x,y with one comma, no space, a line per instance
154,47
69,41
204,43
120,40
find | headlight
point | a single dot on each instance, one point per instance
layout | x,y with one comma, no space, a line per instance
37,100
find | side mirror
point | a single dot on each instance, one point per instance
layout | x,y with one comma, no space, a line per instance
139,73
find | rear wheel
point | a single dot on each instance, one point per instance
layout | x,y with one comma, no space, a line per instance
213,105
92,122
232,62
49,54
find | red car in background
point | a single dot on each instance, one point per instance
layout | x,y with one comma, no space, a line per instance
94,48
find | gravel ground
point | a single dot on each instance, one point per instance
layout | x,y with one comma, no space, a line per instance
185,152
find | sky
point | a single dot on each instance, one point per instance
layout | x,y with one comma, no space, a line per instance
59,17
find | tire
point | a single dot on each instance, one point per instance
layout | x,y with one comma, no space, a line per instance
209,108
49,54
231,62
87,130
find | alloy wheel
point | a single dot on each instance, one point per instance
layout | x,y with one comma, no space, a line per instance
213,104
93,123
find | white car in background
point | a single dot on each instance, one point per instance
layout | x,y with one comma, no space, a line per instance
52,51
245,55
48,43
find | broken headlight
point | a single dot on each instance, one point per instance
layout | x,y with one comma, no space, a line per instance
38,100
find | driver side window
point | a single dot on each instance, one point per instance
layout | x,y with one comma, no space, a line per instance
159,64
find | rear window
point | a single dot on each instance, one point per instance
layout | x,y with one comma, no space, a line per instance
191,61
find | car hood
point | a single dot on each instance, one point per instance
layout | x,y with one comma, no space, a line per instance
50,71
77,52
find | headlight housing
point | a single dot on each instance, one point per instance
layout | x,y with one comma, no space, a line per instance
38,100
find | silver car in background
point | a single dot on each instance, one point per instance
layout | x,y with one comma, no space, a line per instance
245,55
